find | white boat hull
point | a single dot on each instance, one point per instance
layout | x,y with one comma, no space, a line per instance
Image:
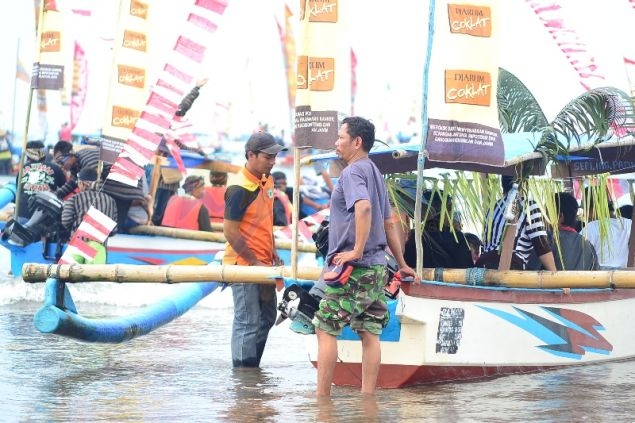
452,332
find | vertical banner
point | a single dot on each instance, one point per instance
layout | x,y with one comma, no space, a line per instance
128,83
463,122
79,86
156,115
48,69
287,42
323,79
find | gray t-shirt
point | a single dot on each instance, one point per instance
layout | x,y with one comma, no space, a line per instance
360,180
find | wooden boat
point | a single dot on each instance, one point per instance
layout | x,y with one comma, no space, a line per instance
448,332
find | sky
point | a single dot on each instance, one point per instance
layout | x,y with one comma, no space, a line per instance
245,68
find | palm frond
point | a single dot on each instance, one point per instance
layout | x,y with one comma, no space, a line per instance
593,117
518,110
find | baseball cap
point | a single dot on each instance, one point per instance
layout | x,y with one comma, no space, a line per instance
265,142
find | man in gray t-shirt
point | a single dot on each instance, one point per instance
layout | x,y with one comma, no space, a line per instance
360,229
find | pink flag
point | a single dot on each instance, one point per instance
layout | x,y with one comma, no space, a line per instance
80,80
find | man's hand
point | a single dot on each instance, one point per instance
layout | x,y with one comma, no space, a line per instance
345,257
408,271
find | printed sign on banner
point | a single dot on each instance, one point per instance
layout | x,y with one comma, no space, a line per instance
323,76
463,123
48,69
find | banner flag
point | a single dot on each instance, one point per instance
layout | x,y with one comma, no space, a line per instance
21,74
569,41
463,122
287,42
129,86
80,81
48,68
323,81
353,81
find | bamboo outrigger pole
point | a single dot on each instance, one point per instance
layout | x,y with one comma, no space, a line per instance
36,272
130,273
209,236
528,279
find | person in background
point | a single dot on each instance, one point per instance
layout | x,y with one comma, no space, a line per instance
531,234
361,227
170,179
571,250
89,195
187,211
282,208
442,247
65,133
6,156
475,245
140,209
612,248
38,174
248,228
72,162
626,211
214,196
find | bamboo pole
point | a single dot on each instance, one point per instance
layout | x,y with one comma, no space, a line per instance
130,273
37,272
207,236
543,279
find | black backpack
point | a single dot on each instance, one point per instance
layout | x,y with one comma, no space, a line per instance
321,238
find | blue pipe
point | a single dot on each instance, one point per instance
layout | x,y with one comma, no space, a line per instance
7,194
59,316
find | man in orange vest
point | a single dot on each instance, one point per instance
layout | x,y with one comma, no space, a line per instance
187,211
214,196
248,227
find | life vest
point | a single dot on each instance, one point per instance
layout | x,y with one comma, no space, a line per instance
286,203
182,212
214,200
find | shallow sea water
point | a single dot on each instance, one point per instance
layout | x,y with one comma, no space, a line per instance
182,373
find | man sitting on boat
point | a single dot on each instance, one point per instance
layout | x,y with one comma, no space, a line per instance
188,211
72,162
38,175
90,195
612,246
571,250
530,235
442,247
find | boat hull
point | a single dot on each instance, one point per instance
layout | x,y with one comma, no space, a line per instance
450,332
127,249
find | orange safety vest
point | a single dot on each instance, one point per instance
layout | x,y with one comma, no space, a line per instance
214,200
256,225
286,203
182,212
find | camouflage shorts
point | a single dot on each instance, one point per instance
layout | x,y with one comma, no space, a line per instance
360,303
